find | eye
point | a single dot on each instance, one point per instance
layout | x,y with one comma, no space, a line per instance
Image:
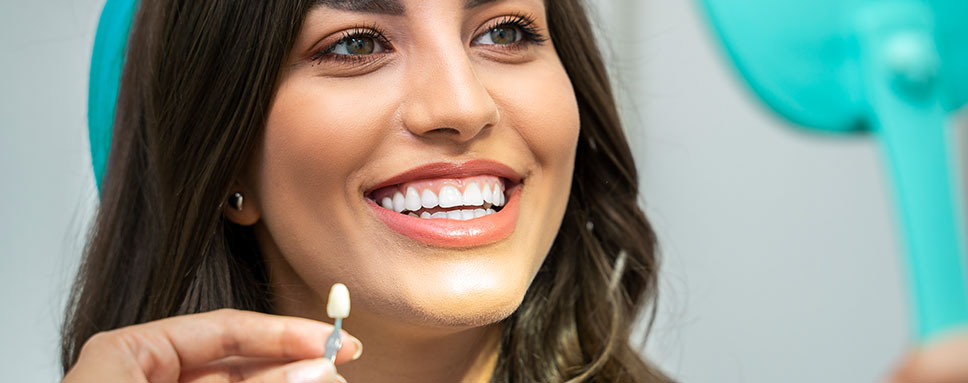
512,31
357,45
500,35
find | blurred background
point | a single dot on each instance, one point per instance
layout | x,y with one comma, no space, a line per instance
780,252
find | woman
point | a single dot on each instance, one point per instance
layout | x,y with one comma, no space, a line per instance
459,164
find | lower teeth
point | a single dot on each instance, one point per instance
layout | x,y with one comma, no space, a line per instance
460,215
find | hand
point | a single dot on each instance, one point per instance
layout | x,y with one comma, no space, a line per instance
943,362
218,346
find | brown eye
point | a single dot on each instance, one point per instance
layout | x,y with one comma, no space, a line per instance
503,35
357,44
362,45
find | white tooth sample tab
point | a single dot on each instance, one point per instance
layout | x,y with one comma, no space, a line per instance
399,202
428,199
450,197
338,305
472,195
412,202
487,194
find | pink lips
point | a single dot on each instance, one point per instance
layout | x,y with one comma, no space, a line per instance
454,233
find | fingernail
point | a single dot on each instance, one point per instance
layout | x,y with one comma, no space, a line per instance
314,372
359,348
340,379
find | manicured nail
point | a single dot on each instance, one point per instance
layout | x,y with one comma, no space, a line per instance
359,348
314,372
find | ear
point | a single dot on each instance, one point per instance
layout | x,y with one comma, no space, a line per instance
241,206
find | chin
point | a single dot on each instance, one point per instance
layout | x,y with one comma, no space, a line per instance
470,297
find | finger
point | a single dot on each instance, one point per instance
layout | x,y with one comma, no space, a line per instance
231,369
199,339
942,362
305,371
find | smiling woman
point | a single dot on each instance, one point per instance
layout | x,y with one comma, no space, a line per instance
459,165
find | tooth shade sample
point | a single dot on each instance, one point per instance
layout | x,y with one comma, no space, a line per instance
338,305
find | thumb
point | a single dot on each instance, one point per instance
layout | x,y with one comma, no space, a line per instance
305,371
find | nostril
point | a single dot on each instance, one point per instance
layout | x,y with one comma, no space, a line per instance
445,131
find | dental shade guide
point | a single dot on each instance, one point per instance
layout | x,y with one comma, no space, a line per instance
337,308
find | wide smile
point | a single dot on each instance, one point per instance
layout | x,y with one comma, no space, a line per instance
450,204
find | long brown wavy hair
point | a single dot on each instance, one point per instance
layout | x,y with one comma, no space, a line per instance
193,102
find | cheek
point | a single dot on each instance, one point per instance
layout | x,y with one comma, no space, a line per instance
317,136
539,102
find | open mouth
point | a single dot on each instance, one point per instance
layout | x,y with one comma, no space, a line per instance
460,199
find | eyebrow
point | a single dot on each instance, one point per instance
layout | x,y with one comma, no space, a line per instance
385,7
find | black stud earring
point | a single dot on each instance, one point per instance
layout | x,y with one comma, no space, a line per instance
236,201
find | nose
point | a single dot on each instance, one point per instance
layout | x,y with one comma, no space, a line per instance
446,100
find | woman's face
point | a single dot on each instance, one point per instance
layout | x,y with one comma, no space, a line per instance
418,151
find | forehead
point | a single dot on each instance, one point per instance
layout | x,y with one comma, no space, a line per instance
391,7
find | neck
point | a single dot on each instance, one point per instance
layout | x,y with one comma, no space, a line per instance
395,352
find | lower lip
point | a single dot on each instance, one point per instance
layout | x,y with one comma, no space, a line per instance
454,233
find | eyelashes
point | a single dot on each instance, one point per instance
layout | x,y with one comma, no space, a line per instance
365,44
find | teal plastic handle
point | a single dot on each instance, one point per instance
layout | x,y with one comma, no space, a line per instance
914,144
905,95
107,62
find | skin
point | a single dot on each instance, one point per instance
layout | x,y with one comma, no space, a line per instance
944,361
336,129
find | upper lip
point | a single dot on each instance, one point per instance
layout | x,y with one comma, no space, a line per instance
452,170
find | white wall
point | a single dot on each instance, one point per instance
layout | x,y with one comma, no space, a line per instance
780,258
46,189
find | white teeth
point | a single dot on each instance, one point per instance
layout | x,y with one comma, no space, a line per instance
450,197
387,203
472,195
487,194
428,199
460,215
497,198
413,199
413,214
399,202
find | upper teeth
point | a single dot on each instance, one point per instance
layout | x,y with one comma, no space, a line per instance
449,196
